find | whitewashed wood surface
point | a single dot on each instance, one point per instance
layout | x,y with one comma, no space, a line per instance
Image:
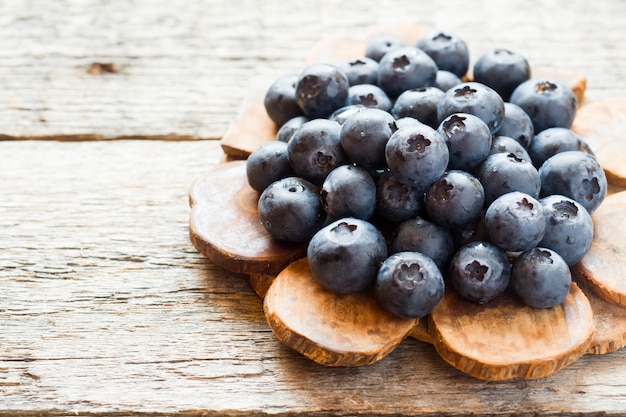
105,306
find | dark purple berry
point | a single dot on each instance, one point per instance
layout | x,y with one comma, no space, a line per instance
421,235
280,100
419,103
417,155
449,51
345,255
315,150
515,222
541,278
574,174
569,228
321,89
349,191
291,210
268,163
548,103
405,68
409,284
455,200
473,98
480,271
501,69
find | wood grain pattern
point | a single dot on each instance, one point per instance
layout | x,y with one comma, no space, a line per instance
181,72
602,268
504,339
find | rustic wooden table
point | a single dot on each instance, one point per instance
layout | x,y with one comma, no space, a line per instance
105,306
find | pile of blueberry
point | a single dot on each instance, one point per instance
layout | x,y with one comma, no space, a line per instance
404,177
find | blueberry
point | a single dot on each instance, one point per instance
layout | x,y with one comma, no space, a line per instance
286,131
419,103
407,121
553,140
574,174
480,271
341,114
376,48
569,228
473,98
515,222
517,124
405,68
541,278
291,210
397,201
548,103
417,155
364,137
503,173
502,69
449,51
268,163
368,95
315,150
349,191
506,144
445,80
455,200
345,255
420,235
360,70
409,284
468,139
280,100
321,89
469,233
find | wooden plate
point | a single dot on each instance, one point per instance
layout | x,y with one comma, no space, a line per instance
504,339
331,329
603,268
602,125
224,224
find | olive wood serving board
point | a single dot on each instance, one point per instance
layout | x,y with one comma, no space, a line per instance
331,329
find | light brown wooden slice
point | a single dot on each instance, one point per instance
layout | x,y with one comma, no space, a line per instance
601,124
609,325
252,126
261,283
603,268
422,331
330,328
224,224
504,339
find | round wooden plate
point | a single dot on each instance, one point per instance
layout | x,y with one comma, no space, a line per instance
603,268
602,125
504,339
224,224
331,329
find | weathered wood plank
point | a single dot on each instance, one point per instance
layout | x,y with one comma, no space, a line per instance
106,308
181,72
